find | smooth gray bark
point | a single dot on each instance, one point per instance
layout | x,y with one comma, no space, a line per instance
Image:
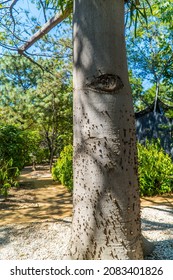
106,217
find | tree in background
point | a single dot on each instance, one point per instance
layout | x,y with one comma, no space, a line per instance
17,77
53,107
150,54
38,101
137,89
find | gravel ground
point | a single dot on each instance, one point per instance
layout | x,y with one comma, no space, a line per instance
48,240
157,226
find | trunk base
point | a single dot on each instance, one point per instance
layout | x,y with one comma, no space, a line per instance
147,246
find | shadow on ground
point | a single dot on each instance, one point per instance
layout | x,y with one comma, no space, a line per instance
38,198
158,228
163,250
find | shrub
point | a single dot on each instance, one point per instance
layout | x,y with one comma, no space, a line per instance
155,170
20,145
62,170
13,145
8,175
14,150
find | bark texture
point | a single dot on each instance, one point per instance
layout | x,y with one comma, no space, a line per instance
106,215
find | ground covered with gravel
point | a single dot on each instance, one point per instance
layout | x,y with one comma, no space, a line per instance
49,240
157,226
35,220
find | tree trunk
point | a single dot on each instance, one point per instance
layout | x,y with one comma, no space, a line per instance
50,143
106,217
156,95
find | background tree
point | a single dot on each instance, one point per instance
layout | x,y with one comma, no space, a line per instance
53,106
150,54
17,77
137,90
38,101
19,22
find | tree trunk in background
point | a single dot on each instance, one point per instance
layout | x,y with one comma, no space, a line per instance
106,218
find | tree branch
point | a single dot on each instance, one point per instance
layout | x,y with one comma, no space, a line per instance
11,13
44,12
58,18
33,61
36,63
13,3
5,2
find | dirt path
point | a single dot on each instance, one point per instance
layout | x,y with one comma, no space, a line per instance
39,198
165,199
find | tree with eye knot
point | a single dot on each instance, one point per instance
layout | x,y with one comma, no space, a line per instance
106,205
106,217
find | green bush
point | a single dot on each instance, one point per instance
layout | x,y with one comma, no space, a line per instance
14,151
8,175
155,170
13,145
62,170
20,146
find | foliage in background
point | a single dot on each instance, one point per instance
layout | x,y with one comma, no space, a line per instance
13,145
17,148
36,149
39,98
137,89
155,170
8,176
150,55
17,77
53,107
62,170
38,101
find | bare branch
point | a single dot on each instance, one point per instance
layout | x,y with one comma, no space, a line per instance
58,18
44,12
33,61
36,63
5,2
7,47
13,3
11,12
12,33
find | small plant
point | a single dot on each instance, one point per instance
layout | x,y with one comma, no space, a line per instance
155,170
62,170
8,175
